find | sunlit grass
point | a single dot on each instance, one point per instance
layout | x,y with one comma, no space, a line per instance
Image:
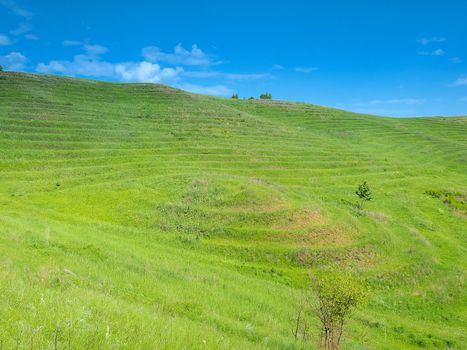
140,216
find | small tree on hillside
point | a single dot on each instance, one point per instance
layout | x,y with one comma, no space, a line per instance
338,294
235,96
1,68
265,96
363,192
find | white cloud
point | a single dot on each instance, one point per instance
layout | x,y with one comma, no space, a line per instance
180,56
4,40
146,72
91,64
53,67
437,52
456,60
461,81
403,101
87,64
435,39
13,7
14,61
218,90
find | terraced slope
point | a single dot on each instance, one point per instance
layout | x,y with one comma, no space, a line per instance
140,216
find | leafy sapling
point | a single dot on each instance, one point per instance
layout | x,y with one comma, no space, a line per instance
338,295
364,194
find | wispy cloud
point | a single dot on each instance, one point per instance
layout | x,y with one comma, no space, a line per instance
437,52
456,60
400,101
72,43
14,61
277,67
202,74
218,90
435,39
14,8
4,40
31,36
461,81
180,56
94,51
23,28
305,69
227,76
90,50
251,76
463,98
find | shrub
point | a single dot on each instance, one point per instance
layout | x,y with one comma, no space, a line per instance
363,192
235,96
265,96
338,294
455,200
434,193
1,68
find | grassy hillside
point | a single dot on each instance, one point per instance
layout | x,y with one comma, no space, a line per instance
140,216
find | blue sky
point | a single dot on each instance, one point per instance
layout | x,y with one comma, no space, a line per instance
397,58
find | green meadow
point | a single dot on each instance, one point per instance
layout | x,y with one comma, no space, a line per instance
138,216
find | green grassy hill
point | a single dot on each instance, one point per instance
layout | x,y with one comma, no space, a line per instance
141,216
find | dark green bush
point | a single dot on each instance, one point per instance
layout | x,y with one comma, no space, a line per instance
363,192
265,96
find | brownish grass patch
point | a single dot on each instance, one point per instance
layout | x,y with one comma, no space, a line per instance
300,220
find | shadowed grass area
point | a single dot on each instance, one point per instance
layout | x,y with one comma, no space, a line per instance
141,216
